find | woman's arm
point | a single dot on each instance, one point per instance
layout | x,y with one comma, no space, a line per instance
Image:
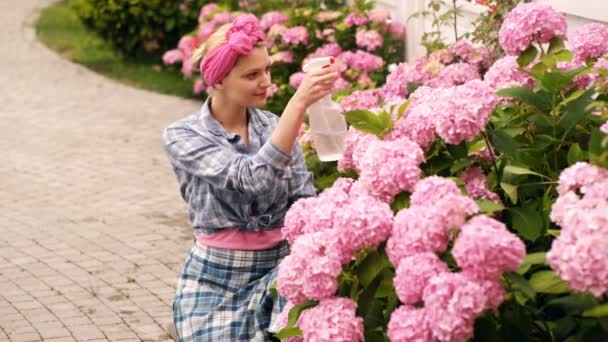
316,85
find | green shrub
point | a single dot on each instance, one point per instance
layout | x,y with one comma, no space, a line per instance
137,27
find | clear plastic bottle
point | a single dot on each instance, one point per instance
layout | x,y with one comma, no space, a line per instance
327,123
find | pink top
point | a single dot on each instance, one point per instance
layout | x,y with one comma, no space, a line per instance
241,240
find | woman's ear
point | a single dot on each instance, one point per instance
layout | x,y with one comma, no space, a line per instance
219,85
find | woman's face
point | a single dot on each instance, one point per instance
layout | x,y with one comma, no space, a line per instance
248,81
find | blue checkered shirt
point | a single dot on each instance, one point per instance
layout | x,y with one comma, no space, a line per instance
229,185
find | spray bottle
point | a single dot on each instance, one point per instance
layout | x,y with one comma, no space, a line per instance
327,123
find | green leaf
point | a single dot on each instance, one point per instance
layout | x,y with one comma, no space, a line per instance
527,56
527,222
555,45
373,264
461,164
576,110
504,143
519,284
288,332
527,96
598,311
510,190
517,170
386,287
532,259
576,154
554,81
574,303
296,310
368,122
548,282
564,56
402,108
489,207
402,200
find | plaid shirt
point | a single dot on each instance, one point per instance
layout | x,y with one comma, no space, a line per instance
229,185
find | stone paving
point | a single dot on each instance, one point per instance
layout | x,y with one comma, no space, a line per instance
92,230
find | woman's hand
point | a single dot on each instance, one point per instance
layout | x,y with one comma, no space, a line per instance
317,84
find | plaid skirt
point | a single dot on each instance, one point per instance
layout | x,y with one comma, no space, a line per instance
222,295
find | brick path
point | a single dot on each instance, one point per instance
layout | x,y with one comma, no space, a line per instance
92,230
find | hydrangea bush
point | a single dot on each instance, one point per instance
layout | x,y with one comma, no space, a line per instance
468,205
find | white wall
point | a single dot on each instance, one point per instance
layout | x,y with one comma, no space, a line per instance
578,13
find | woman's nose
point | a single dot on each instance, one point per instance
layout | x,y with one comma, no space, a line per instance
266,81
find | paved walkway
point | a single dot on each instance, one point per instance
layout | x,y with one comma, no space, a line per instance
92,230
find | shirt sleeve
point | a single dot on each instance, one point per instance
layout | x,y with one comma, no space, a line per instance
301,183
221,166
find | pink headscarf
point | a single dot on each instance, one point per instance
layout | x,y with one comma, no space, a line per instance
241,38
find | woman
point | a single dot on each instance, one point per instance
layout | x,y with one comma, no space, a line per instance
239,169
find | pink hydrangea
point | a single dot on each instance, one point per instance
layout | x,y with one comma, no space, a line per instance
272,18
397,30
480,57
378,15
505,73
222,18
282,57
418,121
361,60
330,49
528,23
296,79
476,184
199,86
350,159
360,99
187,44
296,218
493,289
369,39
333,319
390,167
206,11
355,19
580,260
486,248
206,30
397,81
432,189
413,274
173,56
295,36
455,74
464,111
272,90
409,324
452,302
589,41
580,175
578,255
604,128
364,221
326,16
341,83
310,272
416,230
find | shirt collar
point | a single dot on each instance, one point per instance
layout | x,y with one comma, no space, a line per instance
256,120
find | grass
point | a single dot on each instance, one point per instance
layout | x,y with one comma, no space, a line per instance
59,28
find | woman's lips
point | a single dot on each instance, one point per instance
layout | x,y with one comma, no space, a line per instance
261,94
